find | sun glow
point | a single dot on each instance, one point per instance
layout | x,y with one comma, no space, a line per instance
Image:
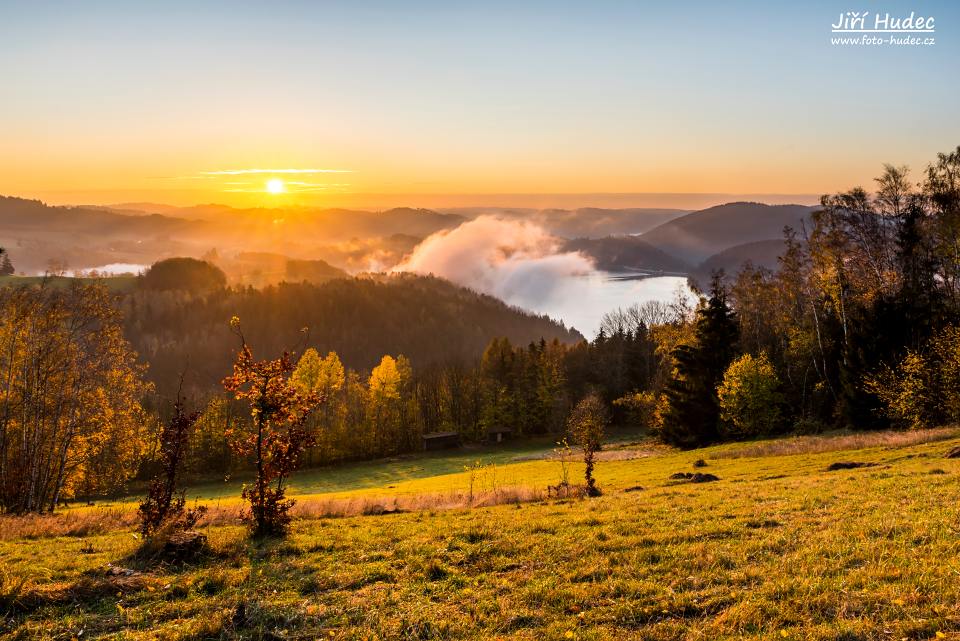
275,186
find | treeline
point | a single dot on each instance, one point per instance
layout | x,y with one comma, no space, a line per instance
383,412
852,330
427,319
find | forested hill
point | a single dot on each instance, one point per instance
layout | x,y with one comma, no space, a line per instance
697,236
427,319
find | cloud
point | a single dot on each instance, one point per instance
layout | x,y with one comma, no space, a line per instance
516,261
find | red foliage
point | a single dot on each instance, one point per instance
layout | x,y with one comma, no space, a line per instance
277,436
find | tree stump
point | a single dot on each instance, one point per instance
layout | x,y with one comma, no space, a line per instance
184,546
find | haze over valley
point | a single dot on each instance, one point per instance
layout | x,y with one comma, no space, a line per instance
574,265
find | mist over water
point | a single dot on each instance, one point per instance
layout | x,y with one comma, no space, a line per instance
581,301
523,265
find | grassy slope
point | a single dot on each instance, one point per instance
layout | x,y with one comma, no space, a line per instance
778,548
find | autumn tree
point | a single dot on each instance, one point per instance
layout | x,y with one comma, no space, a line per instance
587,425
388,394
71,422
749,398
324,376
277,438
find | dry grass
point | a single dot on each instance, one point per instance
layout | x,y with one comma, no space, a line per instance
83,522
779,548
316,508
78,522
838,442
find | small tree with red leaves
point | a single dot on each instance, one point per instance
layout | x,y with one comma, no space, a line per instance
277,436
164,508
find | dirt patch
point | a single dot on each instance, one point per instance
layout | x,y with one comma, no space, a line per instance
694,477
848,465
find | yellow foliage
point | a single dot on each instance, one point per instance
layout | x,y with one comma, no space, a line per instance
749,397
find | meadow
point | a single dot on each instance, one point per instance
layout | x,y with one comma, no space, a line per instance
420,548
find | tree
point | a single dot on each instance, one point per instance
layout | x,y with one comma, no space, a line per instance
6,267
388,393
70,388
692,415
498,372
644,408
165,506
321,375
749,398
587,425
277,440
326,377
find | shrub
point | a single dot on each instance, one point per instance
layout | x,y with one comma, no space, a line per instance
645,408
164,506
749,397
587,424
924,387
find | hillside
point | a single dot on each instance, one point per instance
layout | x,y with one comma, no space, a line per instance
777,548
699,235
627,253
763,253
427,319
23,214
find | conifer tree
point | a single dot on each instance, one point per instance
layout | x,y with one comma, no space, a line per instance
692,415
6,267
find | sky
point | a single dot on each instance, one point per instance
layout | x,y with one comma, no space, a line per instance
431,103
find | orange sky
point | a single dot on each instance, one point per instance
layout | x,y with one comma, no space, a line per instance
422,103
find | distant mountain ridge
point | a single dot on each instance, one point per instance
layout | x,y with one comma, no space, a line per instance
673,241
585,222
723,237
701,234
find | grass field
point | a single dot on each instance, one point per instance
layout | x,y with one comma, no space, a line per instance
778,548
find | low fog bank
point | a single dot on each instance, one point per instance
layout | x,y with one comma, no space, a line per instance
523,265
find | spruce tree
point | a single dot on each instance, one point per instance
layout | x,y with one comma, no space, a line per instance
693,412
6,267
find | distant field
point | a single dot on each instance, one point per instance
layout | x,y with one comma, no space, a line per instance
113,283
778,548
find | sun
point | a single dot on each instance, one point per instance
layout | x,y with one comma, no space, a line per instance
275,186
